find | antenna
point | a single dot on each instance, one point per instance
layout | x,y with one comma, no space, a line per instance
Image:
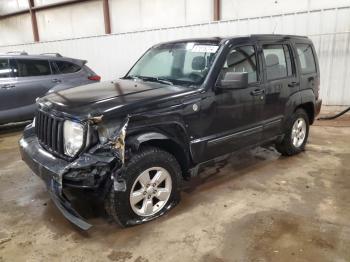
274,29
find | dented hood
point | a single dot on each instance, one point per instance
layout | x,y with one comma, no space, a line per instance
108,97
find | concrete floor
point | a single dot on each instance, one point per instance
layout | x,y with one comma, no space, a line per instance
255,206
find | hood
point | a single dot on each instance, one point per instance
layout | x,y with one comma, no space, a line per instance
107,97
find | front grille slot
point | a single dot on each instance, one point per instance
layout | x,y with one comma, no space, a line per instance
49,130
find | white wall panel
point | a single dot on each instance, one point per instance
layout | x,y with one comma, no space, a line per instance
45,2
234,9
125,15
132,15
199,11
112,55
84,19
323,4
160,13
8,6
16,30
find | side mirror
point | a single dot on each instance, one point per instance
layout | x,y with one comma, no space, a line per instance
234,80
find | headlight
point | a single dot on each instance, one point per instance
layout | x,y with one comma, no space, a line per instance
73,137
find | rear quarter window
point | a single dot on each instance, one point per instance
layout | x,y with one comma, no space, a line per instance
63,67
306,58
30,67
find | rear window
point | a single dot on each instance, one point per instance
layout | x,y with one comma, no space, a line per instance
63,67
30,67
306,58
5,70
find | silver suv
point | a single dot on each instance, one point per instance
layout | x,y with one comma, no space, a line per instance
25,77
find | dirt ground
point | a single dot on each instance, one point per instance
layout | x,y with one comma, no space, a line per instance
255,206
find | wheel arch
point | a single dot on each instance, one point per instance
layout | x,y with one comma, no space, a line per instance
309,108
163,141
304,99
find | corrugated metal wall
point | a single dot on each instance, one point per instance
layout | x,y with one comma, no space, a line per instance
112,55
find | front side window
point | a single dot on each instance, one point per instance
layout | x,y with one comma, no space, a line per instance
241,59
176,63
5,69
63,67
30,67
306,58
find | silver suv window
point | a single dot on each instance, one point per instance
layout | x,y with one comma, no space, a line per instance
30,67
62,67
5,69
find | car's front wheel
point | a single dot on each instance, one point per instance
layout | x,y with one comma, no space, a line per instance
152,178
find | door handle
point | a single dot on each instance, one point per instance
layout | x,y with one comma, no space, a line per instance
56,81
293,84
257,92
7,86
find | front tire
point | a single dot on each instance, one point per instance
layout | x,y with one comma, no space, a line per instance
296,134
152,178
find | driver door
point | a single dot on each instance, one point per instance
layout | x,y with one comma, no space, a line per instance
234,118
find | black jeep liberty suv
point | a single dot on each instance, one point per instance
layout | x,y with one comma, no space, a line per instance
182,105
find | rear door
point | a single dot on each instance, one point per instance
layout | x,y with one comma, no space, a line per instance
280,81
309,77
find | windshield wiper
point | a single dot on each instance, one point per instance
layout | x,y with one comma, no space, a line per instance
151,79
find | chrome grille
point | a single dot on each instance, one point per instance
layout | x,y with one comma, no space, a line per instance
49,130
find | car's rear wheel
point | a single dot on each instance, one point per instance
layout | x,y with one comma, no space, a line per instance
152,178
296,134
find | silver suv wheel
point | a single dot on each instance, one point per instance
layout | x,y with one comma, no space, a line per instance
298,132
150,191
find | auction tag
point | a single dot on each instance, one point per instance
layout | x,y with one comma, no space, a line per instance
205,48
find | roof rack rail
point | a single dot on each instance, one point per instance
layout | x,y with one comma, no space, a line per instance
55,54
18,52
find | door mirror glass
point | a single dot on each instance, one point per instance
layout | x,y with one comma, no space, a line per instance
234,80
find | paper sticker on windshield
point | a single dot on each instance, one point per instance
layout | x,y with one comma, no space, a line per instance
205,48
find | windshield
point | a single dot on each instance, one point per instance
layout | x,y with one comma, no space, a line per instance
176,63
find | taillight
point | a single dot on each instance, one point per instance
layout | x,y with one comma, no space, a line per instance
94,78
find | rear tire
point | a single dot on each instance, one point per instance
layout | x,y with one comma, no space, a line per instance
295,135
152,178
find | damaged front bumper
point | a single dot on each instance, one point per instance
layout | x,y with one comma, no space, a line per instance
87,171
